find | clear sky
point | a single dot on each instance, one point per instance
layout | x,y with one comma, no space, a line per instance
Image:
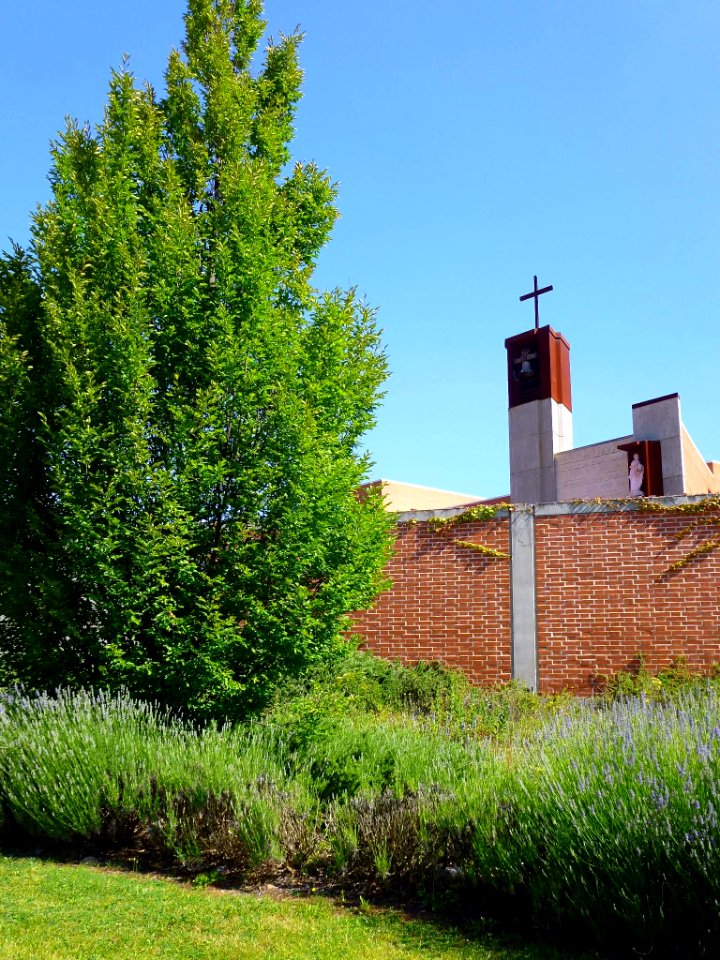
476,143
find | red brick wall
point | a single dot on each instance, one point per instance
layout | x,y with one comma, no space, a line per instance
603,597
448,602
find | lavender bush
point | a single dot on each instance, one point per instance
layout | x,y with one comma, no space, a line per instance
86,765
615,818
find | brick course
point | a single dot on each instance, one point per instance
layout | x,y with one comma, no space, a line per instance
448,602
603,597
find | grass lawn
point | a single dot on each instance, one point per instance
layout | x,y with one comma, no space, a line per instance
65,912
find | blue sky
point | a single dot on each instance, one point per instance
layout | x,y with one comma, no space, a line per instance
475,144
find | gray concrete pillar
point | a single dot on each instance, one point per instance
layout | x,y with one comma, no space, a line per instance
523,617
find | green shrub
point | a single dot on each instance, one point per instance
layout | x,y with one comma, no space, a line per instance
360,683
663,685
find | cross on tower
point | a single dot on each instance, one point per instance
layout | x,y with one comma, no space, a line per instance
535,295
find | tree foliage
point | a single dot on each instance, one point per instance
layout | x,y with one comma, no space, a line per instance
181,408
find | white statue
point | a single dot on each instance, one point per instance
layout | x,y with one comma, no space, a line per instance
635,476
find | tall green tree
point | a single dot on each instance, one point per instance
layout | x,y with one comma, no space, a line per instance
181,409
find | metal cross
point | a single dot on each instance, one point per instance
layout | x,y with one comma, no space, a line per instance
535,295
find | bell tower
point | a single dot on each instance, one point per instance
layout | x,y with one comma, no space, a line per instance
540,408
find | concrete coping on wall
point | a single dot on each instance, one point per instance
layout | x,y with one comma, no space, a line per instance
612,506
444,513
560,509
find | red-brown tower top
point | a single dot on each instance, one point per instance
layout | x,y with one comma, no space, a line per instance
538,367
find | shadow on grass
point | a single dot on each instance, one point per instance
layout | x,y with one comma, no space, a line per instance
458,916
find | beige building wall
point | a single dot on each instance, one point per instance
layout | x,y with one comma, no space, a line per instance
403,497
700,477
597,470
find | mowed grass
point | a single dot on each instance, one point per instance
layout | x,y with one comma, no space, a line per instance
52,911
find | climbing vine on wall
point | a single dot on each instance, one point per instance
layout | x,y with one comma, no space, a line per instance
480,512
481,548
709,504
707,512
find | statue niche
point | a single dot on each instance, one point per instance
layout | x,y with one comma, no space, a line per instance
644,466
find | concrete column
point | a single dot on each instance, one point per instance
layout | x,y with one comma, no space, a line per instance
523,616
538,430
660,420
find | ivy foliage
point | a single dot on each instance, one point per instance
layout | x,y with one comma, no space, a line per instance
479,513
181,409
